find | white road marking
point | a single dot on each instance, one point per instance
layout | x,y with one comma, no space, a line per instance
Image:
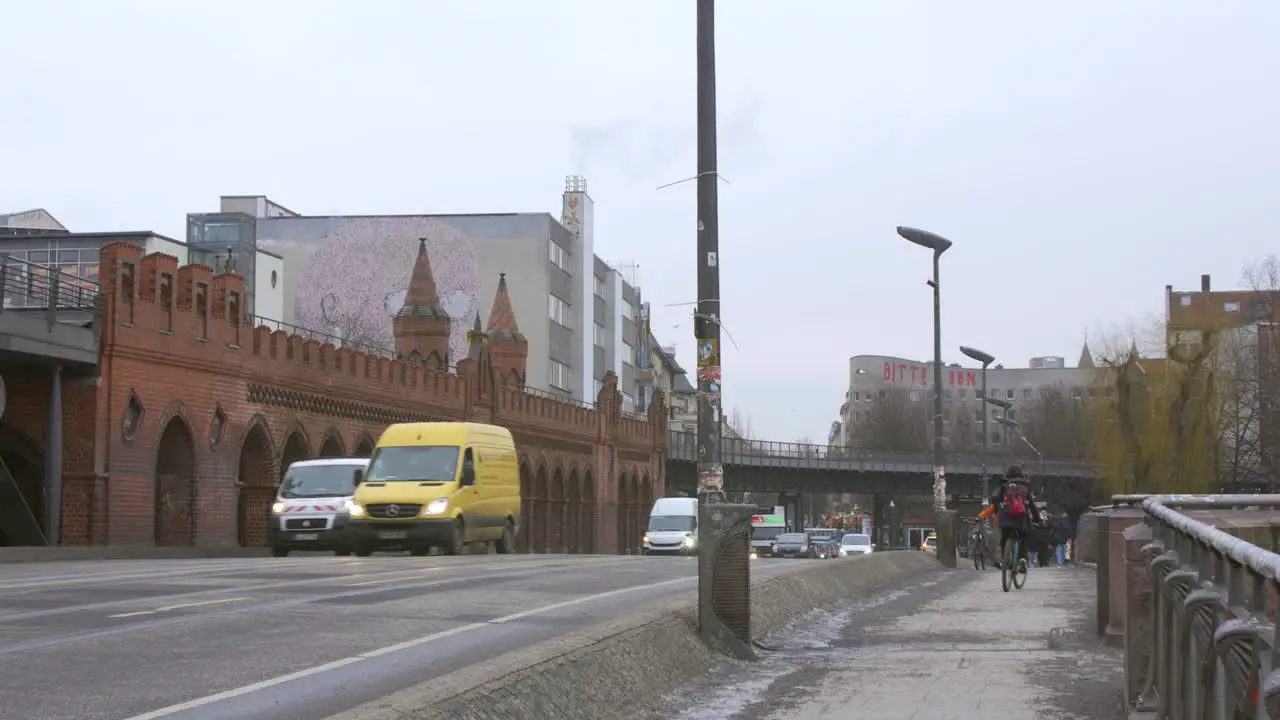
384,581
182,606
277,681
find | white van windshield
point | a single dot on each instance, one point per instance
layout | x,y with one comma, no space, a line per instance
310,481
672,523
855,540
416,463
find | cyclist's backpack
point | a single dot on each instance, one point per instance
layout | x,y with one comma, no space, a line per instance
1015,502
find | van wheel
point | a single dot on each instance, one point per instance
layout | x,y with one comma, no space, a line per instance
456,543
342,553
507,544
419,551
279,552
363,552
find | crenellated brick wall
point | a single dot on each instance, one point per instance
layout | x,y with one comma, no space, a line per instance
182,437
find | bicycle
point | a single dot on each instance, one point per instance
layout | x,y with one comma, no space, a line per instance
979,551
1013,572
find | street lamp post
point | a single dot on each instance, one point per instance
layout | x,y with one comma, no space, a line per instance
938,245
1013,425
986,359
1005,405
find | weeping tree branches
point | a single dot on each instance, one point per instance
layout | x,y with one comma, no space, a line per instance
894,422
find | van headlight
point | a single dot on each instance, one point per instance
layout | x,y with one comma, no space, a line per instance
754,556
354,509
690,541
436,507
645,539
277,507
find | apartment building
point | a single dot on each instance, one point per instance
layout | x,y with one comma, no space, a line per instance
347,276
873,377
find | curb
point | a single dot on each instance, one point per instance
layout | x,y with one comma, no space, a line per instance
615,668
125,552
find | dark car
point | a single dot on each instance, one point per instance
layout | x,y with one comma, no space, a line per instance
791,545
823,545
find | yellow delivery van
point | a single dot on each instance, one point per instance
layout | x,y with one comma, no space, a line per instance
440,484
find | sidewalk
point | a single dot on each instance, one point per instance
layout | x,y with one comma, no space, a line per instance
951,647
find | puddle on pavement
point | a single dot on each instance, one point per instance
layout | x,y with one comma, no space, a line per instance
801,653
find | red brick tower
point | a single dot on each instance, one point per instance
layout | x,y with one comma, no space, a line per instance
422,326
507,346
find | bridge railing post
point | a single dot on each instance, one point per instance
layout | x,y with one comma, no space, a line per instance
1209,650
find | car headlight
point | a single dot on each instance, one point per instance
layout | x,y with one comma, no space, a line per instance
645,539
754,556
844,553
690,541
435,507
277,508
354,508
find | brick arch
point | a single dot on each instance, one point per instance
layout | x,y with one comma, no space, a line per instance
332,445
624,513
174,480
556,519
646,492
538,531
364,445
294,447
256,482
24,458
639,513
588,511
526,503
573,511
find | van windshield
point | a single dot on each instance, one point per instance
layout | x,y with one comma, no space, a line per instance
418,463
855,540
311,481
672,523
766,533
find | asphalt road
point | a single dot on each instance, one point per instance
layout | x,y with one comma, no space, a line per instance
299,637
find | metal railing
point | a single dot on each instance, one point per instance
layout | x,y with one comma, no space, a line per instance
557,396
26,285
1213,648
737,451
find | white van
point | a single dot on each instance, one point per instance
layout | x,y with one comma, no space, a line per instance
310,512
673,527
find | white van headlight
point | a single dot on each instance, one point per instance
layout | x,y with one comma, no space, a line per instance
277,508
690,541
354,508
435,507
645,540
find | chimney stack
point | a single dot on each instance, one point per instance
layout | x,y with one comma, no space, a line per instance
1204,283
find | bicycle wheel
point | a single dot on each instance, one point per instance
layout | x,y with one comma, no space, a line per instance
1019,567
1006,567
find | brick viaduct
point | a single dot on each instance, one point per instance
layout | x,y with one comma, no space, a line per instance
182,435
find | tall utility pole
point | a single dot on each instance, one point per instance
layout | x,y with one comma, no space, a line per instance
707,320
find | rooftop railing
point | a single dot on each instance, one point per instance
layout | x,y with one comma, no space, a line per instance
28,286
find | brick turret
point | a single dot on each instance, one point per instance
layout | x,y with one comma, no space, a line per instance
507,346
422,326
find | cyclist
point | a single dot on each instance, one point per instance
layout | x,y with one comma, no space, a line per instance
1015,510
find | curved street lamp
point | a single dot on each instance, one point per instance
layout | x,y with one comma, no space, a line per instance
938,245
986,359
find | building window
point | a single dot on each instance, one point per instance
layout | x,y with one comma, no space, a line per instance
559,375
979,415
599,287
1026,393
628,310
1009,394
1013,414
599,387
560,257
628,403
1231,307
884,395
962,394
1185,301
628,354
559,310
977,394
915,396
600,336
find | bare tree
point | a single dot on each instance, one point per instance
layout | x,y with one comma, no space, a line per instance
1059,424
805,445
741,425
895,423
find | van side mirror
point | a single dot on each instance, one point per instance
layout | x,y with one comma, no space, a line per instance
357,477
468,475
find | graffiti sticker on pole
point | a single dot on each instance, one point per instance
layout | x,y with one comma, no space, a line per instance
708,374
708,353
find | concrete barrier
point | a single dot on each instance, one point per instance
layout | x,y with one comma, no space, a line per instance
611,669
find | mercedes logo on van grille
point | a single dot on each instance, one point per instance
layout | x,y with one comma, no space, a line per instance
306,523
393,510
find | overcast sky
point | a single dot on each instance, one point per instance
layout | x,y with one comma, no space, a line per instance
1080,155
